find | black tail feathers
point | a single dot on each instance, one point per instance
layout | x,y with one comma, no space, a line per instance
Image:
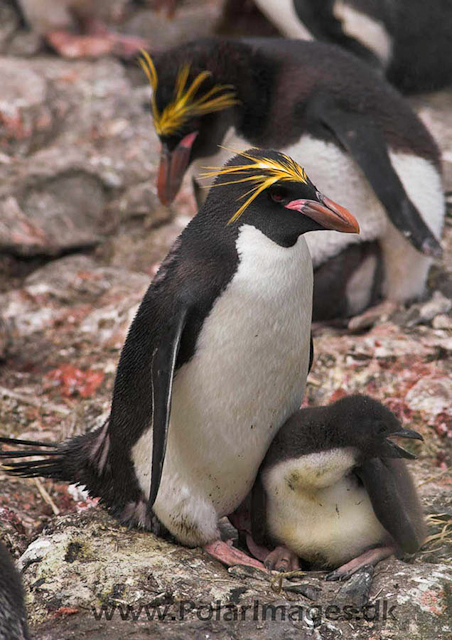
55,460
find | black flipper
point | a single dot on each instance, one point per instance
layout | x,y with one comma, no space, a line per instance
394,500
366,144
163,368
318,16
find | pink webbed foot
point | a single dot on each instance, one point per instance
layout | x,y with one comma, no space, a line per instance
283,560
375,315
94,45
230,556
369,557
70,45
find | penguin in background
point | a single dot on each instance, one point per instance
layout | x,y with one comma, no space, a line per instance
334,491
57,21
215,360
360,140
408,40
13,618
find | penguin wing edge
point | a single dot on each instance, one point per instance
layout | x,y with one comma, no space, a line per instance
394,501
365,142
318,16
163,369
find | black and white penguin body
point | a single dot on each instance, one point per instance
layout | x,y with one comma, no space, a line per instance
331,487
13,619
409,40
360,140
216,358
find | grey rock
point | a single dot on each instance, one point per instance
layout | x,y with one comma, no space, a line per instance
27,117
76,156
69,568
356,590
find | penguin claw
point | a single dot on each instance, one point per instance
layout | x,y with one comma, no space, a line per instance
334,575
338,576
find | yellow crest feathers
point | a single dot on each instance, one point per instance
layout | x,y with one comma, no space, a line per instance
261,172
184,105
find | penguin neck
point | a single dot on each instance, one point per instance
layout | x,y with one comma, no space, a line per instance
253,75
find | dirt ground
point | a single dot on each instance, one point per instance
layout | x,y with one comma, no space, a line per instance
81,234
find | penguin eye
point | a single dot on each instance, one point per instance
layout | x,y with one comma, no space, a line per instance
278,194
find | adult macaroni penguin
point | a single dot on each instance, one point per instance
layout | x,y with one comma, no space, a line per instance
215,361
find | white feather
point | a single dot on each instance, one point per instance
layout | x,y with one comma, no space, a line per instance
246,377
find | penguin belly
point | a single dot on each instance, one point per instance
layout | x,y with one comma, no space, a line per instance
246,377
319,510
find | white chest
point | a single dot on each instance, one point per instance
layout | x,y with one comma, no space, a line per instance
320,511
247,376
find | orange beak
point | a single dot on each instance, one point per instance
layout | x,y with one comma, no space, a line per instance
173,165
327,213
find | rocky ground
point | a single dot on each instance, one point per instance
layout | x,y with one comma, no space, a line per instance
81,234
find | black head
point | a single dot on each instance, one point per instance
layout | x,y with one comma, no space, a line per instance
370,426
270,191
191,107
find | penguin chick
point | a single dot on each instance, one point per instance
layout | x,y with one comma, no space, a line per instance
216,358
13,619
357,136
333,491
55,20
